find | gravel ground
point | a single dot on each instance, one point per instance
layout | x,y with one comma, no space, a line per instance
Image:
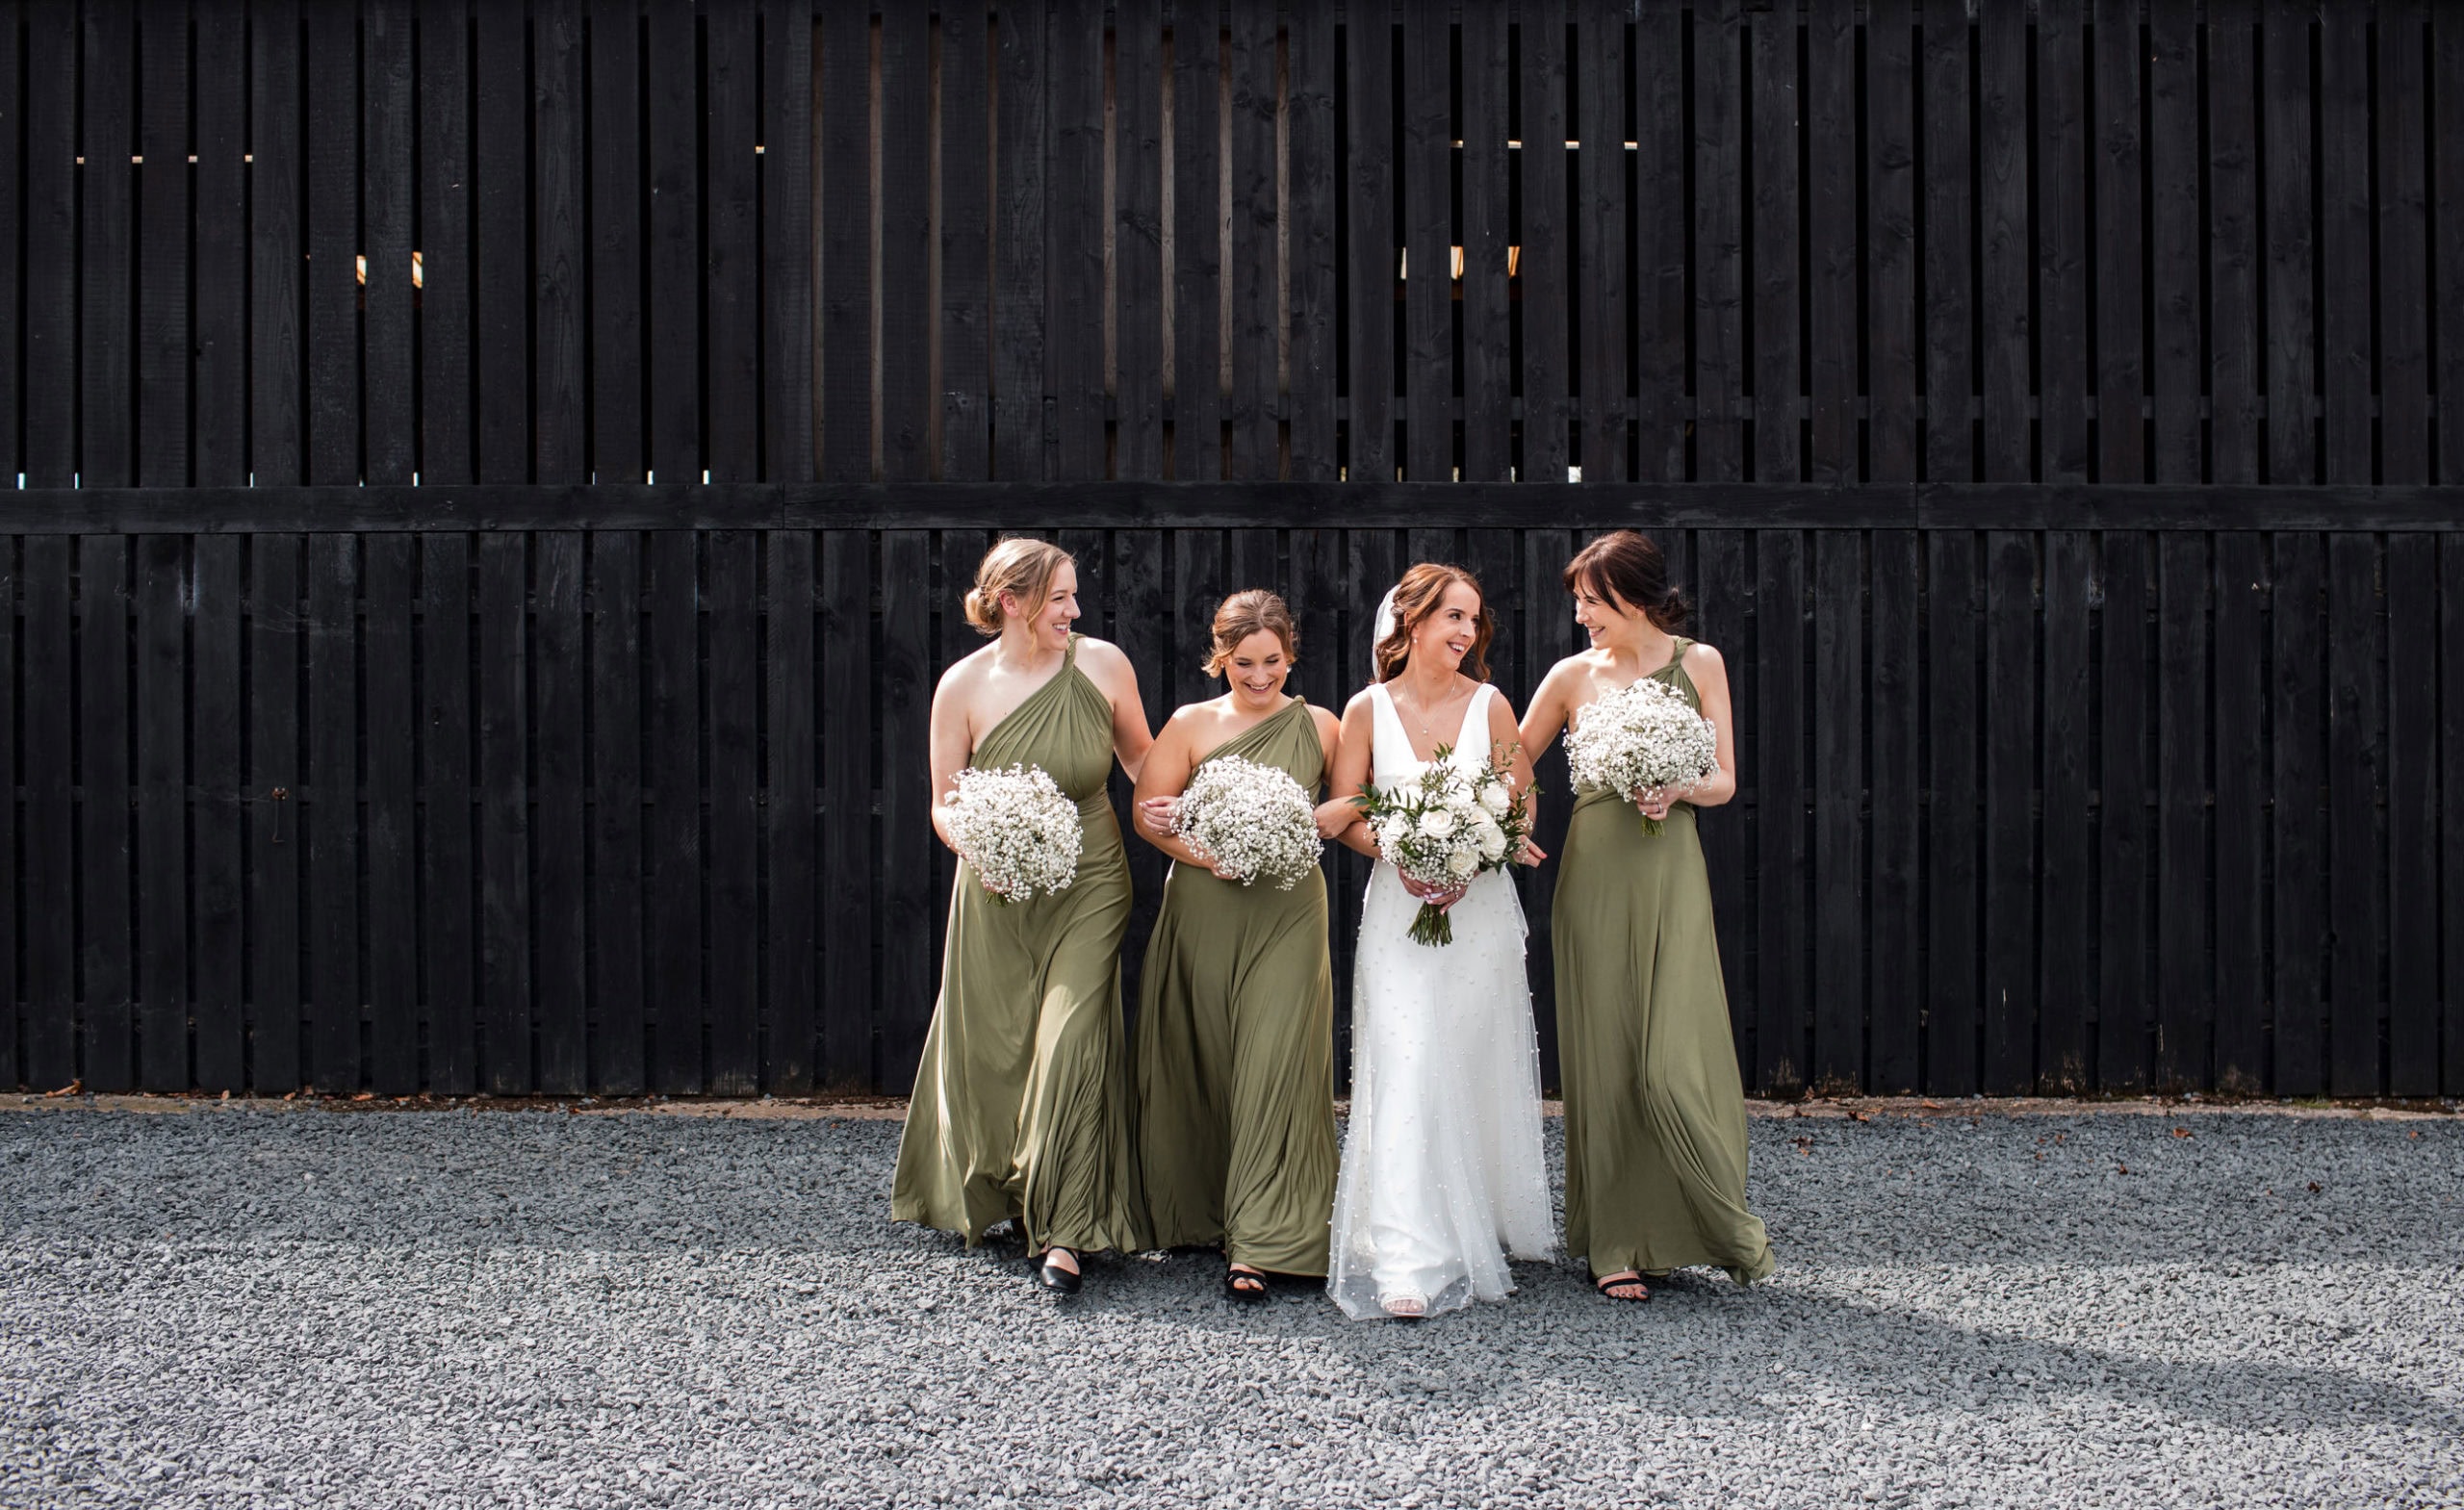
305,1307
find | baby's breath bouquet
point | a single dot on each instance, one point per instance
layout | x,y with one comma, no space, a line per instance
1017,828
1641,737
1447,825
1254,821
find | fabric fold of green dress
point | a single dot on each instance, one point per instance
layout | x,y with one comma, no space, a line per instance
1021,1107
1236,1047
1655,1138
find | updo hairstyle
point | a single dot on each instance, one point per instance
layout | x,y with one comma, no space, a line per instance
1626,568
1421,593
1247,613
1020,567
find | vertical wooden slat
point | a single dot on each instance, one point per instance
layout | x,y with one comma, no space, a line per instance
1602,317
1369,198
2402,271
1839,919
790,777
1780,783
2447,271
331,80
2412,819
1948,289
1488,332
331,817
2010,871
392,820
2183,1008
906,236
106,284
50,268
221,1032
103,838
2233,255
847,813
163,334
2241,813
1138,236
673,312
1428,215
1197,575
1723,590
1952,882
2299,718
733,856
1251,66
2356,756
2123,1009
1018,240
13,1012
2450,769
386,240
909,966
558,672
1779,338
2121,435
501,180
616,939
444,218
2061,254
503,656
1890,256
1896,722
2004,372
616,197
161,707
1830,221
1141,625
1074,236
449,899
220,450
966,290
51,1059
1198,259
671,592
559,308
1543,211
1661,314
2344,192
1312,175
2174,303
2069,918
2289,240
12,277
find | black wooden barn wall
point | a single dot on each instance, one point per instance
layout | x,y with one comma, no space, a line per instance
496,482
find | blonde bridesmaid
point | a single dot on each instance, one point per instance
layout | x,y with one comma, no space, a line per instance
1656,1144
1021,1109
1236,1007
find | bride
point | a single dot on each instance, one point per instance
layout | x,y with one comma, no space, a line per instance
1442,1178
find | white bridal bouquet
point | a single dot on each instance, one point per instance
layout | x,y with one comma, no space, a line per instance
1447,827
1641,737
1017,828
1253,820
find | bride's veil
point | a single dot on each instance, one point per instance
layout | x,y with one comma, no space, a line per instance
1384,627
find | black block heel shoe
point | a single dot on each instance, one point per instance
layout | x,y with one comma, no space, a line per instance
1053,1277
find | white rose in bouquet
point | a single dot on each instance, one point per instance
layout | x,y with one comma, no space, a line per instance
1017,828
1437,823
1497,798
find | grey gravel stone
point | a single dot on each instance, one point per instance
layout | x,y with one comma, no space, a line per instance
242,1307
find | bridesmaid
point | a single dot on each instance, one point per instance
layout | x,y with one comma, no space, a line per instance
1236,1090
1021,1107
1656,1146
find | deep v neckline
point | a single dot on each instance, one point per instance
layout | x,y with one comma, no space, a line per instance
1386,688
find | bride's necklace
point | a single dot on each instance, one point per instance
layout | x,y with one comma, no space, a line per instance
1420,720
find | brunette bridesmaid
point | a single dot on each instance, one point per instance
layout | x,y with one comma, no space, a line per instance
1022,1107
1236,1005
1656,1142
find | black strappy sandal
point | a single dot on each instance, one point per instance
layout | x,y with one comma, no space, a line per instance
1607,1287
1247,1285
1053,1277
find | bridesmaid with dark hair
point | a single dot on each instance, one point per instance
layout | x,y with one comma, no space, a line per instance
1021,1106
1655,1143
1236,1075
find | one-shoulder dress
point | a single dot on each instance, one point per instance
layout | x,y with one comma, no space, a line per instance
1236,1047
1656,1144
1021,1106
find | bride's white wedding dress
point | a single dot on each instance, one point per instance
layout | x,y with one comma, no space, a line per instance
1442,1178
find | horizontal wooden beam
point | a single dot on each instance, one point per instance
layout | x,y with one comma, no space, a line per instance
1213,505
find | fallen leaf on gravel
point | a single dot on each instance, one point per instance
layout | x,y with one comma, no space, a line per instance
1931,1106
2181,1132
69,1090
365,1096
1859,1116
2121,1168
2314,1186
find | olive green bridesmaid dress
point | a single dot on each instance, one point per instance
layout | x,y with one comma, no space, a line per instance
1236,1047
1656,1144
1021,1106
